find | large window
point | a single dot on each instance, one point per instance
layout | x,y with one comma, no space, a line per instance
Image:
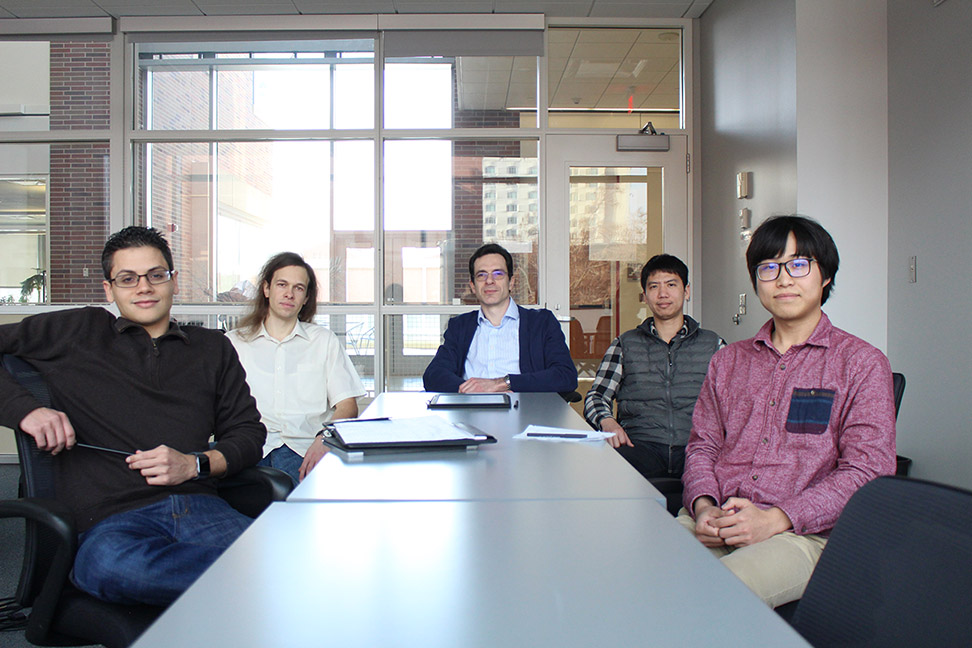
385,159
245,149
302,84
614,78
23,238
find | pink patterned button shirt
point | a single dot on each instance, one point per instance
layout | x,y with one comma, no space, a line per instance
802,431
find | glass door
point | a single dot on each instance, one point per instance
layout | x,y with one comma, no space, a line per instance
619,209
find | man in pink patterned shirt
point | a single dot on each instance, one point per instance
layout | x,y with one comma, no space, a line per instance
789,424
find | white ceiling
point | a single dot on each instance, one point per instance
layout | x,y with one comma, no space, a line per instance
557,8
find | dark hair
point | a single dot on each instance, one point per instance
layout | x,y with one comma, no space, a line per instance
664,263
260,305
132,237
812,241
490,248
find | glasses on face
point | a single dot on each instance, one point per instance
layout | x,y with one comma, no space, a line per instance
497,275
796,268
154,276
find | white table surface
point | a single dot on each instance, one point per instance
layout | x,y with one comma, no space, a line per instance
582,573
511,469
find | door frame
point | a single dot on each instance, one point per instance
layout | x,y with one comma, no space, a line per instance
563,151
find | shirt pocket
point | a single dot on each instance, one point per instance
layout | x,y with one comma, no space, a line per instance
311,387
810,410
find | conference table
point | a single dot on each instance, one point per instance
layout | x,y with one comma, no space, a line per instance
519,543
511,469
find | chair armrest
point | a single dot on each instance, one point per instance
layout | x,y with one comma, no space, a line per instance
571,396
59,538
252,489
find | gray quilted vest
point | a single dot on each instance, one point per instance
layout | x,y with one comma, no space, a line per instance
661,382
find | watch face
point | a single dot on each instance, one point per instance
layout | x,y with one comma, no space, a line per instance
202,465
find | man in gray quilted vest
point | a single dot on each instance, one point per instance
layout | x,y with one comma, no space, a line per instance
654,372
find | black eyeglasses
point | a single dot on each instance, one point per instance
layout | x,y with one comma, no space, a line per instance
796,268
155,276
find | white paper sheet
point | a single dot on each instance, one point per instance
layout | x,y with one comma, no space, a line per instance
561,434
400,430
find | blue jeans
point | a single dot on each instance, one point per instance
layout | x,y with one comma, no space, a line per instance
154,553
285,459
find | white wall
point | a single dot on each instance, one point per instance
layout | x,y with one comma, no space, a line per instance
796,92
930,126
883,147
25,81
748,123
24,73
842,150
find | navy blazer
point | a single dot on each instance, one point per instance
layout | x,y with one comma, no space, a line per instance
545,362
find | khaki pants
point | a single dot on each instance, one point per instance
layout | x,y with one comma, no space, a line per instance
776,569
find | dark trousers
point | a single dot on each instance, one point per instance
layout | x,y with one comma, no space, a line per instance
655,459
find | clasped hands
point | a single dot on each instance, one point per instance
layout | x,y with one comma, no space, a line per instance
737,523
478,385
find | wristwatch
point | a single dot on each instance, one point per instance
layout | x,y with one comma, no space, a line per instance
202,465
506,379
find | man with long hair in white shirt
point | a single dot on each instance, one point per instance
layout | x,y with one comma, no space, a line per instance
298,371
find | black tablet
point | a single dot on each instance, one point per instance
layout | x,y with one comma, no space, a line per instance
470,401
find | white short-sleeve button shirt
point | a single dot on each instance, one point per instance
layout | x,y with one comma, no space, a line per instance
296,381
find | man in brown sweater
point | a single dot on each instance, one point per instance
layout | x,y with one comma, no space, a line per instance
149,522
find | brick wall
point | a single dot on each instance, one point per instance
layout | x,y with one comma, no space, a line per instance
78,188
79,85
78,194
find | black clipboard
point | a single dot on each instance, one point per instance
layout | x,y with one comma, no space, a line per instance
470,401
332,437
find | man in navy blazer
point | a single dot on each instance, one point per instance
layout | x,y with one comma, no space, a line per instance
501,346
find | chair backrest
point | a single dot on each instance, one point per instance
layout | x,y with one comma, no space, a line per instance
36,468
896,570
36,480
898,386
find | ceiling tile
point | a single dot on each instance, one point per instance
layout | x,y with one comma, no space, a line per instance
524,76
561,35
600,50
560,8
119,8
697,9
341,7
608,35
441,6
53,8
232,8
614,9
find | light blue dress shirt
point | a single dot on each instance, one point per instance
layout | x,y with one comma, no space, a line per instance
495,350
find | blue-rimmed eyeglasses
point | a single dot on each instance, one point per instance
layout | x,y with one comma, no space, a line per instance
796,268
497,275
154,276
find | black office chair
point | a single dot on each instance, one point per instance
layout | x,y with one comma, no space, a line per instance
571,396
671,488
896,570
62,615
788,610
898,387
